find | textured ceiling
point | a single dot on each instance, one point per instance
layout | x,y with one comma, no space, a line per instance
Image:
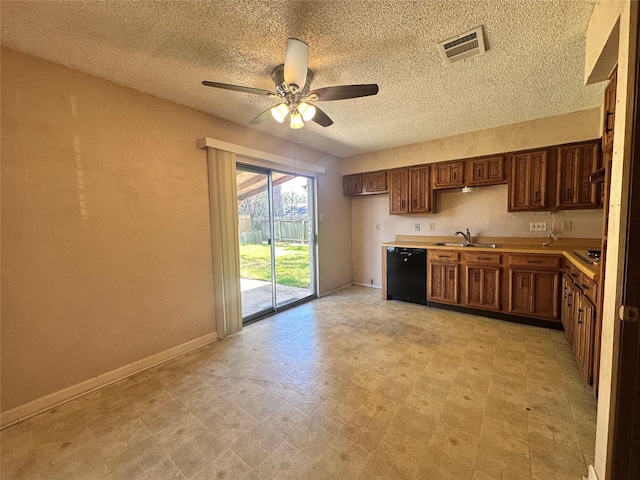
534,67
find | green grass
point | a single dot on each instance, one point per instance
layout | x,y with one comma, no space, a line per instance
292,264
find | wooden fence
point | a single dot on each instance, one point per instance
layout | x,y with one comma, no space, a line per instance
285,231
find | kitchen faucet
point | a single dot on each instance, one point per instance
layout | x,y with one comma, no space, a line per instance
466,236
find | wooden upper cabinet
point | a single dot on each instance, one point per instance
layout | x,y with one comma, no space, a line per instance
420,195
609,112
410,190
575,164
486,171
352,184
375,182
399,191
448,175
528,181
368,183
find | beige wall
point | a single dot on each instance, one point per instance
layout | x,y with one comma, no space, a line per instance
484,211
106,255
572,127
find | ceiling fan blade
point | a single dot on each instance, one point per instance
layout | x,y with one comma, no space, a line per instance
237,88
345,91
322,118
295,64
262,117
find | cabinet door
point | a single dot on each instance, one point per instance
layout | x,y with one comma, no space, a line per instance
375,182
520,292
546,295
534,293
528,182
483,287
420,197
448,175
609,113
583,337
352,184
398,191
575,165
569,293
487,171
443,283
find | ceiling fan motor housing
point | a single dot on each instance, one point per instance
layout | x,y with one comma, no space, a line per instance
282,88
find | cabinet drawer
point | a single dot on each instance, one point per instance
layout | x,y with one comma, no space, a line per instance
482,258
535,261
589,288
572,271
441,256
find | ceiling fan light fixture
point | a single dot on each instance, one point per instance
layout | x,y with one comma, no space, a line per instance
296,120
307,111
295,64
279,112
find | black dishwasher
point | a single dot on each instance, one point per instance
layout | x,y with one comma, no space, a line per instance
407,274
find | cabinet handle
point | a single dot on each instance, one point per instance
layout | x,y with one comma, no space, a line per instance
568,196
585,286
534,261
484,258
450,274
574,275
415,203
606,122
580,310
403,204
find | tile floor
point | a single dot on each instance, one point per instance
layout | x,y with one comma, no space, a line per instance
344,387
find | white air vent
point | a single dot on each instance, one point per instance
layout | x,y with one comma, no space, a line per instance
465,45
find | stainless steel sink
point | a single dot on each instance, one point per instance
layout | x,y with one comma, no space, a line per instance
460,244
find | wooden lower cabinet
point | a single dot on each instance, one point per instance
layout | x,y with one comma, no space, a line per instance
579,319
443,277
585,314
569,294
483,287
534,293
483,280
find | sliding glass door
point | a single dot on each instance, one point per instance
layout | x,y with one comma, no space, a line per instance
277,238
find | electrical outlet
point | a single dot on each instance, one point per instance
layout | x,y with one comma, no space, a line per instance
377,226
538,226
417,227
432,227
567,225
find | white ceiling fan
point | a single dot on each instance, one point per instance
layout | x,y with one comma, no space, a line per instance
293,88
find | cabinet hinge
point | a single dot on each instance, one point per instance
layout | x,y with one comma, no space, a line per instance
627,313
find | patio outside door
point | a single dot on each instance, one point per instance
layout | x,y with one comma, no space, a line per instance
277,233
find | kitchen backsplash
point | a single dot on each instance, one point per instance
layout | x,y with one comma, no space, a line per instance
483,212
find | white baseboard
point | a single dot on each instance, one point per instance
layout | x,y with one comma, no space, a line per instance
367,285
335,290
18,414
